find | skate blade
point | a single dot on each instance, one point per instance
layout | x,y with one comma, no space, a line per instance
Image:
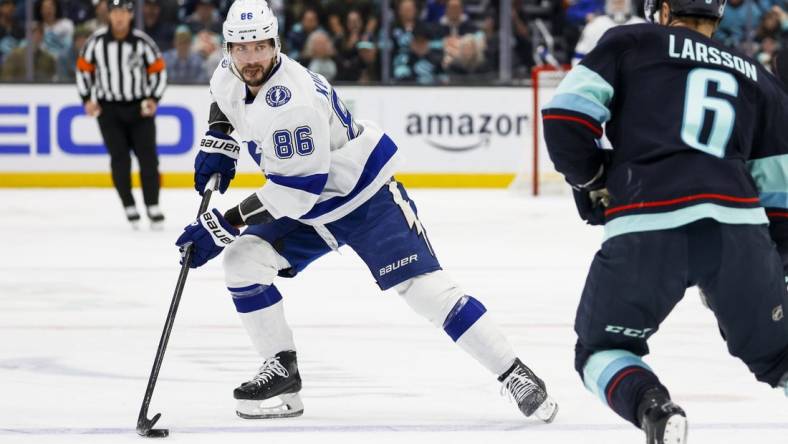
547,411
282,406
675,430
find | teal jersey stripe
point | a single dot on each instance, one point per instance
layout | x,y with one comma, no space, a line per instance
574,102
771,178
684,216
587,84
602,366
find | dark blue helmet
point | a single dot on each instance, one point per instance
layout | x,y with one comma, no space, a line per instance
712,9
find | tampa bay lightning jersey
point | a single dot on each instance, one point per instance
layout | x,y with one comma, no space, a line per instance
320,163
697,130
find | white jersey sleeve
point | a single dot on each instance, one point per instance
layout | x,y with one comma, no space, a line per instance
297,158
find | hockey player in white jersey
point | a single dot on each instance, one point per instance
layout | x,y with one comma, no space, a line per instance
329,183
617,13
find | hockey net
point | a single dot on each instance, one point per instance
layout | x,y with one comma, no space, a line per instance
537,175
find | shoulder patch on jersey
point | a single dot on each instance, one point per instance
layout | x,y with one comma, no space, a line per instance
225,62
277,96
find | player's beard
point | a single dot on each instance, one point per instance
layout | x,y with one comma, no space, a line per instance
254,74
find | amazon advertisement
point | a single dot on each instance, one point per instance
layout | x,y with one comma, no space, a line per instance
444,133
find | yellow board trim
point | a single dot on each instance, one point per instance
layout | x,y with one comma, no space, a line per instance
243,180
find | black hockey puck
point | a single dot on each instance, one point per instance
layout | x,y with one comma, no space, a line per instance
157,433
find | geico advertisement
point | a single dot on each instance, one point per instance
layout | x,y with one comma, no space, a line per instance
454,130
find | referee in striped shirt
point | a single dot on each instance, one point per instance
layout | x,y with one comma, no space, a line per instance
121,77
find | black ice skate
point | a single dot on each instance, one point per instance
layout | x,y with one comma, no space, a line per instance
528,391
156,218
663,421
133,216
273,392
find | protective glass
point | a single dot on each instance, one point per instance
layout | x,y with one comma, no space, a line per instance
252,52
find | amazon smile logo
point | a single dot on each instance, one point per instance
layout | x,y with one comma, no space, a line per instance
464,132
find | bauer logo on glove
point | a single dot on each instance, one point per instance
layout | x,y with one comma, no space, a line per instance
207,236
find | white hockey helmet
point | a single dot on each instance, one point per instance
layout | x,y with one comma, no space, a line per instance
249,21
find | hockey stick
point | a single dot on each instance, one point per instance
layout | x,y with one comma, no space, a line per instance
145,425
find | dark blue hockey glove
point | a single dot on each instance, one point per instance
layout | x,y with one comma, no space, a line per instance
208,235
591,205
218,154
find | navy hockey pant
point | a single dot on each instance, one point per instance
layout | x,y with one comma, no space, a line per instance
636,279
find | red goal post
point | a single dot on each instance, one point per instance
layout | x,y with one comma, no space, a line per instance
544,80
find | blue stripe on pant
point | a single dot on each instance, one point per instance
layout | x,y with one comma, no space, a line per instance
254,297
465,313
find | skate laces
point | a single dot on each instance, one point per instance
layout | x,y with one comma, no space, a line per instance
269,369
518,386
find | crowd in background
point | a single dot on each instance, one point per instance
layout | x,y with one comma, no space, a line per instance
431,41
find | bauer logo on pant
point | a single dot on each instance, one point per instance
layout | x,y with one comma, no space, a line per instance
399,264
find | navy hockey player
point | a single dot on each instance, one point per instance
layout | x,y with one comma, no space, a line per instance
697,171
329,183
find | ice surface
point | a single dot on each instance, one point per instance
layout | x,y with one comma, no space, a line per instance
83,300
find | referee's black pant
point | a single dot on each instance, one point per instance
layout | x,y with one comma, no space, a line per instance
125,130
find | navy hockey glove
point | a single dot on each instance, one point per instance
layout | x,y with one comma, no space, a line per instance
591,205
218,154
208,235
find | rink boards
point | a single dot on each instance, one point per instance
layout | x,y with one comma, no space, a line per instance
450,136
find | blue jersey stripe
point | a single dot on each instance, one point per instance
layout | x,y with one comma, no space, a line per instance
311,184
381,154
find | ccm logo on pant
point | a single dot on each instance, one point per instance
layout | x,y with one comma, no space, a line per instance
400,263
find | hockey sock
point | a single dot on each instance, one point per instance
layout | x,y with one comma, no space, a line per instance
620,378
262,314
478,335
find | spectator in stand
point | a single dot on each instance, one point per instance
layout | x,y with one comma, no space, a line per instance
739,23
161,31
67,63
348,61
469,66
296,38
491,40
453,25
207,45
318,55
14,66
337,11
370,62
402,32
422,64
183,65
11,31
771,26
455,22
205,18
767,49
58,31
100,15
